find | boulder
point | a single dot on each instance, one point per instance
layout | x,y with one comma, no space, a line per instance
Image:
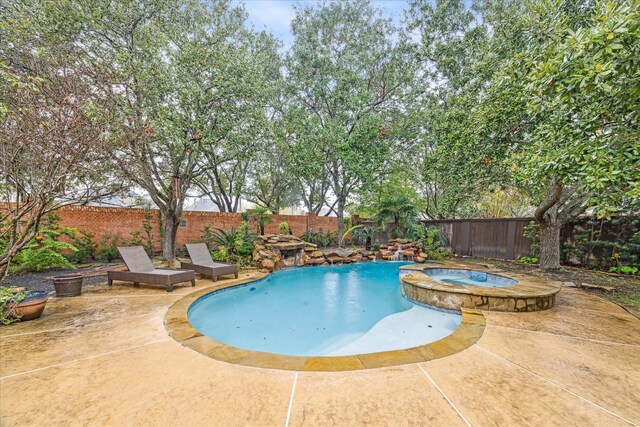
419,259
315,261
317,254
268,264
334,259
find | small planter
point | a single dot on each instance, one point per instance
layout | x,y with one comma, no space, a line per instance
32,306
68,286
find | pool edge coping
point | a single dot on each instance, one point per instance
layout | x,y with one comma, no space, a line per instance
180,329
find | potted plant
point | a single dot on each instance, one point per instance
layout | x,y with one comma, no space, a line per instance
21,304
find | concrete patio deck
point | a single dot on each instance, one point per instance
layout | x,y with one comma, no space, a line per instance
105,358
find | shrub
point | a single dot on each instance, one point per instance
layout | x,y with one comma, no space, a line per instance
283,228
135,239
624,269
532,232
432,240
234,245
529,260
376,247
86,247
108,249
45,251
9,299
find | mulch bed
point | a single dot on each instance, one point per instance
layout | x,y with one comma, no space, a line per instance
626,290
38,281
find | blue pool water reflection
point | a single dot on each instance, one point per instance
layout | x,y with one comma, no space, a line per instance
321,311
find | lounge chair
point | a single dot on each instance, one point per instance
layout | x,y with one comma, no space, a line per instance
141,270
201,262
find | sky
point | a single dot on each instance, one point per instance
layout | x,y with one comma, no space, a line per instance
275,15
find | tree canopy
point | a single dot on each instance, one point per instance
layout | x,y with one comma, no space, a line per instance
493,108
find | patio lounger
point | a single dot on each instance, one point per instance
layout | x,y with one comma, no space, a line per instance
141,270
201,262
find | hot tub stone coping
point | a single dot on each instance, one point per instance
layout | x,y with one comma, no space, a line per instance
420,287
179,328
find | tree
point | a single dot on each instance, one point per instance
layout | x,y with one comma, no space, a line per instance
455,163
344,70
243,117
566,104
53,127
179,70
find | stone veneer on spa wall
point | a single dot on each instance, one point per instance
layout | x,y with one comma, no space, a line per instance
527,294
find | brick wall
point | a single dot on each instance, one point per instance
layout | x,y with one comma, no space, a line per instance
123,221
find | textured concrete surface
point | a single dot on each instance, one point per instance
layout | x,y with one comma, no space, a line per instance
106,358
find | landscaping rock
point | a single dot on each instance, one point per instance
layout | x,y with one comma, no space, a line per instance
268,264
317,254
601,287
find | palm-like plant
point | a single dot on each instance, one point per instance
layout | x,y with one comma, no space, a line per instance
366,235
400,210
234,241
263,216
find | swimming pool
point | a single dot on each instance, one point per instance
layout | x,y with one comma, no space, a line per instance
460,276
321,311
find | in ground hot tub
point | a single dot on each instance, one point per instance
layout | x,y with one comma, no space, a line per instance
454,286
460,276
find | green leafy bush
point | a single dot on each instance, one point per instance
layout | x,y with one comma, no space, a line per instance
108,249
321,238
432,240
529,260
376,247
532,232
86,247
624,269
9,299
283,228
45,251
135,239
235,245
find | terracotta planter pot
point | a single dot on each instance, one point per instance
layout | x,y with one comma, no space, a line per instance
32,306
68,286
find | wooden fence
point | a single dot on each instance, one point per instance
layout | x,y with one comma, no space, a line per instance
501,238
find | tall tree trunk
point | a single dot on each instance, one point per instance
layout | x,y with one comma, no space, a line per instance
550,244
340,213
170,232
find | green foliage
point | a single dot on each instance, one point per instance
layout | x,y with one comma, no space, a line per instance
235,245
529,260
376,247
283,228
625,269
400,210
321,238
108,247
432,240
9,299
602,243
86,247
346,69
262,216
532,232
566,102
147,226
45,251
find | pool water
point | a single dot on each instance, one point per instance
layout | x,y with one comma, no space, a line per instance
321,311
469,277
